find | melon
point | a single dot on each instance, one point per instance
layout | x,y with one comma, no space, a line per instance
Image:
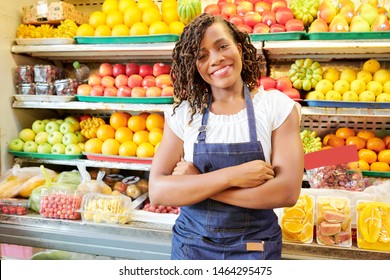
188,10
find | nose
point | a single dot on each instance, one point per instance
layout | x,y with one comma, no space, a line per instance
216,57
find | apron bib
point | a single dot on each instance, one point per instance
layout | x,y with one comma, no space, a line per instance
215,230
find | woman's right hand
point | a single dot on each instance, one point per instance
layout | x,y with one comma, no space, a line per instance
251,174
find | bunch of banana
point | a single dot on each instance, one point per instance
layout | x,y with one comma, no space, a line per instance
89,126
305,74
305,10
310,141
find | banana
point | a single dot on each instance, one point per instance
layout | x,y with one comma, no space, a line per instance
310,141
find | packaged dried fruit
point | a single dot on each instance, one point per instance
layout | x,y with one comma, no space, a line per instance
333,221
60,204
373,225
297,222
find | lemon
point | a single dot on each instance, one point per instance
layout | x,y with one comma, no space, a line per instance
367,96
131,16
348,74
341,86
331,74
386,87
144,4
364,75
375,86
381,76
358,86
97,18
170,15
85,30
324,86
151,15
176,27
124,4
168,4
120,30
103,30
158,27
350,96
383,97
371,65
333,95
139,28
114,18
109,6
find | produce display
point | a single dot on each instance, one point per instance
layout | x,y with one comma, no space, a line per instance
305,74
305,10
63,204
66,29
310,141
13,206
281,83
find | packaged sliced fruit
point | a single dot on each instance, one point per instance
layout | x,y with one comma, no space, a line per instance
373,225
333,221
297,222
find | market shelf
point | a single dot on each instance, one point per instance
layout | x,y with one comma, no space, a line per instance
361,112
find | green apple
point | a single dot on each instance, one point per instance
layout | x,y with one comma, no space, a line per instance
70,138
16,144
59,121
367,96
52,126
27,134
54,137
44,148
383,97
41,137
45,121
74,121
58,149
30,147
72,149
80,136
82,146
67,127
38,126
350,96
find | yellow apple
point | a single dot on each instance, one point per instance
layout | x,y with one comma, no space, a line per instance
333,95
375,86
357,86
367,96
383,97
348,74
341,86
324,86
350,96
364,75
315,95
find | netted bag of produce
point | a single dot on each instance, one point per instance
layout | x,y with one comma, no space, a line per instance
88,184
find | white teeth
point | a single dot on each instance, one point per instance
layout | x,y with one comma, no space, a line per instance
221,71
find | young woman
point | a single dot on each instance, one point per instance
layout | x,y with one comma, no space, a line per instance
231,152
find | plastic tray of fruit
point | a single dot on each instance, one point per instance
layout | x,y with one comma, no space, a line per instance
44,41
348,104
45,156
278,36
348,35
106,208
13,206
134,100
113,158
44,98
141,39
60,204
373,220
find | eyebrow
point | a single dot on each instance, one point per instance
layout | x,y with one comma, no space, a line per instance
214,43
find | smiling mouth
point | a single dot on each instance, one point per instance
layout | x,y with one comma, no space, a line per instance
221,71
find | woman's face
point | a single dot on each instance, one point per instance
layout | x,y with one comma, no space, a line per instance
219,61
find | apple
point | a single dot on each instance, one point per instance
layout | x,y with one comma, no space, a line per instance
121,80
45,121
268,18
124,91
292,93
82,146
97,90
294,25
131,69
261,28
105,69
67,127
145,70
153,92
118,69
138,92
58,149
134,80
84,90
73,120
262,6
108,81
244,7
44,148
245,28
163,80
38,126
110,91
267,82
41,137
277,28
167,91
221,3
212,9
16,144
228,9
283,83
54,137
236,19
59,121
30,147
252,18
70,138
80,137
149,81
283,14
160,69
27,134
73,149
120,187
52,126
84,117
94,80
277,4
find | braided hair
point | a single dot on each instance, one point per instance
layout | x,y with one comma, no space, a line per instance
187,82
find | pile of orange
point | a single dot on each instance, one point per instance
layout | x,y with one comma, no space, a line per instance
373,151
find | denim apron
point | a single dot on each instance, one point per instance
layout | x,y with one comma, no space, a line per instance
215,230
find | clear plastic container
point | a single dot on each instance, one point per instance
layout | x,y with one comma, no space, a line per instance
13,206
26,89
60,204
65,87
44,89
24,74
45,73
102,208
333,221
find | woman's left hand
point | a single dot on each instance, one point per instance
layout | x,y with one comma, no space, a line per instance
185,168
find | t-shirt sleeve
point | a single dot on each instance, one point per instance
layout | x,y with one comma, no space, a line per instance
176,121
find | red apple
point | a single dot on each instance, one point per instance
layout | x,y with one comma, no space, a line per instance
84,89
97,90
238,2
294,25
277,28
212,9
260,7
85,117
236,19
293,93
149,81
138,92
118,69
134,80
94,80
220,3
145,70
277,4
110,91
132,68
252,18
260,28
267,82
124,91
244,7
268,17
107,81
121,80
283,83
253,1
245,28
228,9
167,91
160,69
105,69
283,15
163,80
153,91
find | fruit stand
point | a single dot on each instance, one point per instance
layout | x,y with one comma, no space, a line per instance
279,51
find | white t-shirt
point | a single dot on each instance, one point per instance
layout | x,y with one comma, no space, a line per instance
271,110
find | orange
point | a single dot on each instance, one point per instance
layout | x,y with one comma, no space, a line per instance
156,148
326,139
123,134
366,134
155,136
380,166
140,137
128,149
345,132
110,147
136,123
359,165
145,150
144,114
293,227
154,120
384,156
367,155
387,140
376,144
93,145
335,141
105,131
356,140
118,119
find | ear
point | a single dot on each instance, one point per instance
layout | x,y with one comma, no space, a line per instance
239,47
